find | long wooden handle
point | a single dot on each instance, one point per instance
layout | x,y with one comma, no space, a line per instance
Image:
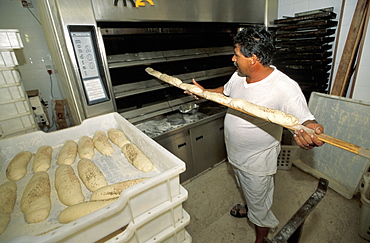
334,141
323,137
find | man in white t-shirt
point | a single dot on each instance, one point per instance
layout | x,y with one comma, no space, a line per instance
253,144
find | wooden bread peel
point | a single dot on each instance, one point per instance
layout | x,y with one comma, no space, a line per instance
323,137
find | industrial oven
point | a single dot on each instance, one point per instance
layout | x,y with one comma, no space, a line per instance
100,49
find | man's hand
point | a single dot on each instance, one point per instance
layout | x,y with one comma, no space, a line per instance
307,141
198,85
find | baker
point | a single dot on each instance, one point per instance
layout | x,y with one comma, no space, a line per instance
253,144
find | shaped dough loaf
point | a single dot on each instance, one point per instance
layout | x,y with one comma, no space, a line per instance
8,197
117,137
42,159
171,80
217,97
269,114
91,175
153,72
102,144
85,148
68,153
113,190
79,210
68,186
137,158
17,167
35,201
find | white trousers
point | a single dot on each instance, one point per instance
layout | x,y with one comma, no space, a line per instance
258,192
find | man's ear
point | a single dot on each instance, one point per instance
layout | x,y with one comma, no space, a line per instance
254,59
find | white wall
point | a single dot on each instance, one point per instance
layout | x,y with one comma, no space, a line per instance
362,85
35,56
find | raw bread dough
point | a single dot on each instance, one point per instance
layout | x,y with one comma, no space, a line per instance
68,153
86,148
42,160
137,158
117,137
68,186
153,72
102,144
113,190
35,201
265,113
91,175
195,90
217,97
269,114
171,80
4,221
79,210
8,197
17,167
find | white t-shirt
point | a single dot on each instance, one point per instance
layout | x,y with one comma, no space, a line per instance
248,137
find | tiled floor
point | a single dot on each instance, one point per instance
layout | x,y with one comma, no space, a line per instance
212,194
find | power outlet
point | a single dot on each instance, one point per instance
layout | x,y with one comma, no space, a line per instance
49,69
27,3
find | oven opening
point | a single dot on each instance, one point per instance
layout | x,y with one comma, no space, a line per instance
202,51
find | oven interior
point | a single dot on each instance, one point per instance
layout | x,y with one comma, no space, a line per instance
202,51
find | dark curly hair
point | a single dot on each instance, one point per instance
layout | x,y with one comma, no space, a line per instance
255,39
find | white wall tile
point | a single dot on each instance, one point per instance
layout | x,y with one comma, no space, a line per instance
300,6
287,10
361,93
285,2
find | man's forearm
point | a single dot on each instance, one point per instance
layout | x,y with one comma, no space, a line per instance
216,90
309,122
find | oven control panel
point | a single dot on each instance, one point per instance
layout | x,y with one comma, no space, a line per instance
84,45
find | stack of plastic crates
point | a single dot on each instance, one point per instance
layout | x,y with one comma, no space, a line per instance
16,115
150,211
289,151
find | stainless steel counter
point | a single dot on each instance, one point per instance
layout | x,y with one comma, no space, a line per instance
197,139
166,125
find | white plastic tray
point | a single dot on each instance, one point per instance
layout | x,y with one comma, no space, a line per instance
10,39
162,186
165,223
345,119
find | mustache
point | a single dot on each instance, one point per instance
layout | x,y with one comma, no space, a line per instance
236,65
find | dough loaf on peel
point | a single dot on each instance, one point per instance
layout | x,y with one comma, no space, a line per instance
113,190
68,153
265,113
68,186
102,144
269,114
91,175
8,197
35,201
85,148
217,97
79,210
153,72
17,167
42,159
137,158
117,137
168,79
195,90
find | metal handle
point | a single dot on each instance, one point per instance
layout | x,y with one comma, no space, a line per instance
198,138
181,145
